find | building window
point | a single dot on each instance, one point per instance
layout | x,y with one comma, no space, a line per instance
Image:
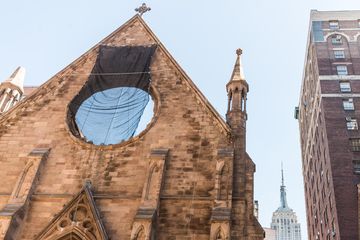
348,104
342,70
296,113
336,40
355,144
345,87
356,166
317,31
334,25
351,123
339,54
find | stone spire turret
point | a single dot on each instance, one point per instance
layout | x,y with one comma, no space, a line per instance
12,89
237,89
238,72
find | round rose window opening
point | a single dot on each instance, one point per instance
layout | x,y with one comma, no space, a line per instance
115,103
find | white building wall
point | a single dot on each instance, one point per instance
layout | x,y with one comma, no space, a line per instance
285,224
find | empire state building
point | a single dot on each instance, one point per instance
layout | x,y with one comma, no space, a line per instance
284,220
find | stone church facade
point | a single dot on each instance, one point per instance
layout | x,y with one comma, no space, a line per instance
186,176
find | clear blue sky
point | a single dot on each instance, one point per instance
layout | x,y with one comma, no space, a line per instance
45,36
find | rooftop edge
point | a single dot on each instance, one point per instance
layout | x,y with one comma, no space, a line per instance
343,15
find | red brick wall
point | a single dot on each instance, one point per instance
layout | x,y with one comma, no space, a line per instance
330,184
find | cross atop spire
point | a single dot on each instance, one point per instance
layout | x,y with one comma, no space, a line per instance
237,89
239,51
142,9
238,72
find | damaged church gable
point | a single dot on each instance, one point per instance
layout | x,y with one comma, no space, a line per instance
135,32
79,219
189,83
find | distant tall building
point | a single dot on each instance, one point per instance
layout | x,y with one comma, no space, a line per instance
284,220
328,115
270,234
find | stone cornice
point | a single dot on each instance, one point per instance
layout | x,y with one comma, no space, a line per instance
339,77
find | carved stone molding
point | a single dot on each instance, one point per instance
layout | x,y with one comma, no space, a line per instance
223,178
142,230
220,224
221,212
220,231
150,200
13,213
154,179
79,219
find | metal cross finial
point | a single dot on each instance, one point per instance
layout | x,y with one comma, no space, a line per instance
142,9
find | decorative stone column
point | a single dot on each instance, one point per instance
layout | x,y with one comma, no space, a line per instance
15,210
146,215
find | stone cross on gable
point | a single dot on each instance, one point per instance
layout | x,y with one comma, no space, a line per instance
142,9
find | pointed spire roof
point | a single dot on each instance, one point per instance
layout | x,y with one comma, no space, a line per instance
283,200
17,78
238,72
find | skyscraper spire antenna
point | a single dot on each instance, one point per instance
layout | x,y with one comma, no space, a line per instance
282,175
283,201
284,220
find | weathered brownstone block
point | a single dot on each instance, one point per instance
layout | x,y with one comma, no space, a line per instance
139,189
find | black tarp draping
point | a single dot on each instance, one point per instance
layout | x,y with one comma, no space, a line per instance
109,106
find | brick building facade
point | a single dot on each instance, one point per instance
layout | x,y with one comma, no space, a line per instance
328,116
186,176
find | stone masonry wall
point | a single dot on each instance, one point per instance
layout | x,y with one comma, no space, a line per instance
182,124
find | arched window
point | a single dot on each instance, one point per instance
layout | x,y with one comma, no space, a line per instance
339,50
223,193
152,182
235,100
243,100
230,101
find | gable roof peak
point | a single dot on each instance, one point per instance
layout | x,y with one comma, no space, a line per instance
188,80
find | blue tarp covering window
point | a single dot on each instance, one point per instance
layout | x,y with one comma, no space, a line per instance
111,116
109,107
